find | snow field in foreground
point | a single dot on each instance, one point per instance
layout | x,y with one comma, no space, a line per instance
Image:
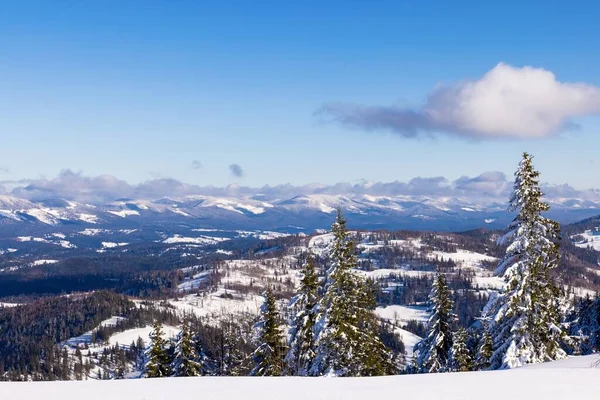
568,379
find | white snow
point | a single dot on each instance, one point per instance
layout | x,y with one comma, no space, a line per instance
63,243
124,339
42,215
87,337
125,213
402,314
195,281
195,240
489,282
226,252
9,304
178,211
215,306
89,218
43,262
320,240
573,379
262,235
7,251
111,245
409,339
32,239
590,239
464,258
66,244
93,231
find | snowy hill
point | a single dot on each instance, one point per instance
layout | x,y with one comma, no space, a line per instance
572,378
299,213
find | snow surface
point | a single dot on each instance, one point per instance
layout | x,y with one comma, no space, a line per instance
194,240
111,245
124,213
568,379
403,314
590,239
87,337
43,262
215,306
9,304
9,250
89,218
125,338
463,258
93,231
63,243
195,281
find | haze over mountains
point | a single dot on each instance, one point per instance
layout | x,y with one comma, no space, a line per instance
422,203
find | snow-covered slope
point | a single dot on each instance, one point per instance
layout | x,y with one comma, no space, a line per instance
588,239
571,379
305,212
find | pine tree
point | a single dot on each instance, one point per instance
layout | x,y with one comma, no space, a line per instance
433,351
158,356
484,351
185,361
347,335
231,359
269,354
525,316
461,359
302,344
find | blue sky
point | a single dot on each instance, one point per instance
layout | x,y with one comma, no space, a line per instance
142,89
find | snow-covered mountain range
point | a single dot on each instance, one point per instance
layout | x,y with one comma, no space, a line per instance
299,213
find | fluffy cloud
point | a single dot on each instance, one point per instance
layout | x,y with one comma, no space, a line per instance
507,102
69,185
489,183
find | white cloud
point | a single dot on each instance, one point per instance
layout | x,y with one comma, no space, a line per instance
507,102
70,185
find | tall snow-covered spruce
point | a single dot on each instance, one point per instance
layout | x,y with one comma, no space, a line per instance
485,350
158,364
186,360
433,352
302,343
347,336
524,318
461,359
231,359
269,354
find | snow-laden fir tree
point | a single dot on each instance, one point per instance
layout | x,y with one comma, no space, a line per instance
485,350
525,317
433,351
461,359
186,360
301,343
231,359
158,364
269,354
347,330
584,325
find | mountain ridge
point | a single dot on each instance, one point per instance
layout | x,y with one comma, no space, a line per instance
304,212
